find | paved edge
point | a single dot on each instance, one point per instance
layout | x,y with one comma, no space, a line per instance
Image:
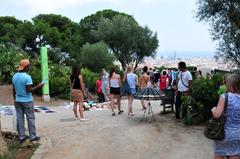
45,145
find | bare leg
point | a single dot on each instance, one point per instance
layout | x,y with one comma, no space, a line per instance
129,104
81,110
112,102
143,104
119,103
131,101
75,109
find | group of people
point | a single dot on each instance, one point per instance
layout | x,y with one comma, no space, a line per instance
110,86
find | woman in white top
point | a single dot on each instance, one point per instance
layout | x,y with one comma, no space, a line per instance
115,83
105,84
132,80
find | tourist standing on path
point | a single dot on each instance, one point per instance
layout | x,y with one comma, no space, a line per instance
99,90
163,81
105,84
174,75
132,80
184,82
230,146
115,84
22,93
143,83
77,91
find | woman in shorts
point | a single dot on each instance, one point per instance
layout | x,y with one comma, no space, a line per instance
77,92
132,80
115,84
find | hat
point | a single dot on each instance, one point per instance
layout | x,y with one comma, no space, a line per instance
23,63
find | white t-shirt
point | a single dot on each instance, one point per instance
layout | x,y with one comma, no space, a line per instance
184,77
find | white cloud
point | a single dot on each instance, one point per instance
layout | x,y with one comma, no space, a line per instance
49,6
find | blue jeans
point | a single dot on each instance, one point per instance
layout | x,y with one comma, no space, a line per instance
26,108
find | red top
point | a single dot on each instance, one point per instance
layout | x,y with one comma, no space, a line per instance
163,82
99,86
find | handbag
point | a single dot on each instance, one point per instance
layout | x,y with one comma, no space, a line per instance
215,127
126,88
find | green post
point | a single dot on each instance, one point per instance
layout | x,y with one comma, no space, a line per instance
44,74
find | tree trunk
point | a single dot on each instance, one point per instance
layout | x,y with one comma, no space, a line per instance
3,145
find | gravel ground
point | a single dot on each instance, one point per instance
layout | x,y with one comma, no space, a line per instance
118,137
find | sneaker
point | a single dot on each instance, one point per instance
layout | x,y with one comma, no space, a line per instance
37,138
113,114
130,115
84,119
23,140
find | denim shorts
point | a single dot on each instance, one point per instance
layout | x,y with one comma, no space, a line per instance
132,91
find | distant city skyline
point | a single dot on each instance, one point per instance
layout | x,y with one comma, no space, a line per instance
179,54
173,20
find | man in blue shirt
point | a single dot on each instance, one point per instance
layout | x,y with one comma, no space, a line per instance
22,93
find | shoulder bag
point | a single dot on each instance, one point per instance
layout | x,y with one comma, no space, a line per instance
126,88
215,127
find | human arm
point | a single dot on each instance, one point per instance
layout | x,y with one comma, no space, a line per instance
81,84
124,77
31,88
189,83
189,87
14,93
172,79
217,111
119,80
137,80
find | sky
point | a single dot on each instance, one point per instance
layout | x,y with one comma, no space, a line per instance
173,20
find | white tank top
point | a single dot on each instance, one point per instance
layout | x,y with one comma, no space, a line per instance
114,83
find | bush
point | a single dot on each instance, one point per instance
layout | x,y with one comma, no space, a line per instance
96,56
89,78
202,99
59,81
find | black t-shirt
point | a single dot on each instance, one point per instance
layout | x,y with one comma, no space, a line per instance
76,82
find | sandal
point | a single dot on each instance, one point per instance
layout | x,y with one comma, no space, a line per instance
121,111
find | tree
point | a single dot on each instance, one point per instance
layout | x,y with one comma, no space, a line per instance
90,23
59,32
224,17
129,42
96,56
8,30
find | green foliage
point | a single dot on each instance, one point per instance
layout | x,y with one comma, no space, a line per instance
59,81
89,78
9,62
96,56
203,97
129,42
59,31
224,17
91,22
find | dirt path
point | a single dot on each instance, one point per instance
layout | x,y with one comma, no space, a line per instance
6,97
107,137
